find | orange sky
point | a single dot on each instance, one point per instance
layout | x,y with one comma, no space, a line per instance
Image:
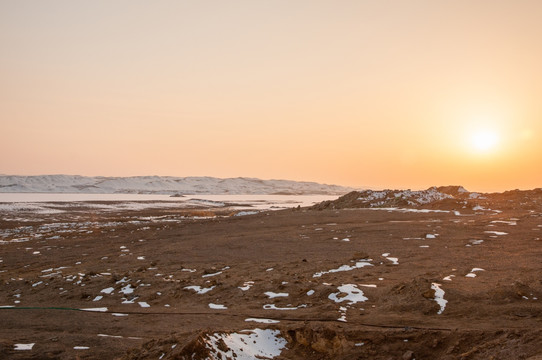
380,94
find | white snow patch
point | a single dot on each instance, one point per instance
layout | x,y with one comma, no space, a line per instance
246,285
199,289
353,294
394,260
273,307
472,272
132,301
128,289
263,321
217,306
245,213
101,309
407,210
23,346
143,304
273,295
111,336
500,233
246,344
439,297
359,264
511,222
213,274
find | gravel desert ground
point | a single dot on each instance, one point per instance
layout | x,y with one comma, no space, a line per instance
438,274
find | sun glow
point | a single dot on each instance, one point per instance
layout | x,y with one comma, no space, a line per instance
484,140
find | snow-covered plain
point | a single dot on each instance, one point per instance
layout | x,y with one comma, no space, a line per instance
55,203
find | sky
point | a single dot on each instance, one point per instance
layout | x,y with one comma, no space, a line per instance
377,94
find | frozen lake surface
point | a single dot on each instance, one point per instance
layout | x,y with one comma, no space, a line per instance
257,202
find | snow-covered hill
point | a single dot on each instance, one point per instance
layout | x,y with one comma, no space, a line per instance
161,185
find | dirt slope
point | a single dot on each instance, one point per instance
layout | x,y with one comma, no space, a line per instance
334,282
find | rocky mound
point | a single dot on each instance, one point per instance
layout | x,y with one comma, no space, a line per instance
445,198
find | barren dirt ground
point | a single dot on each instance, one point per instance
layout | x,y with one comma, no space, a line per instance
335,283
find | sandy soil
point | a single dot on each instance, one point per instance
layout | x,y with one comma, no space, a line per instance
435,285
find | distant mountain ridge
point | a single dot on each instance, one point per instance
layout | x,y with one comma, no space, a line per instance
166,185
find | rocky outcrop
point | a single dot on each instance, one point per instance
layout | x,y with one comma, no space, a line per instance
446,198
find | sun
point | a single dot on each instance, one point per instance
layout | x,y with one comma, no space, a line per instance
484,140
